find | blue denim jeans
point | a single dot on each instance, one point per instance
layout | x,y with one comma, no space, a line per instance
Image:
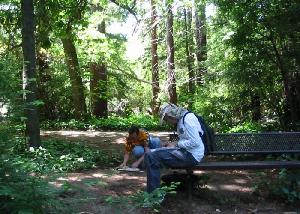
165,157
154,143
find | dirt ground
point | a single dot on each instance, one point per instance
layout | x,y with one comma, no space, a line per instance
226,191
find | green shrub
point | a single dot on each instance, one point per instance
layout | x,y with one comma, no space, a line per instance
24,193
21,191
110,123
61,156
143,199
282,185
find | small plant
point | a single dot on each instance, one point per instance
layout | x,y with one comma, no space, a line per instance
142,199
283,185
21,192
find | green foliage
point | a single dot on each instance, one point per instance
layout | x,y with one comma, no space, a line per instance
23,185
61,156
110,123
20,190
283,185
252,127
10,90
248,39
24,193
142,199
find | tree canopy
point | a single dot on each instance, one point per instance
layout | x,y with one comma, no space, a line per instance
233,62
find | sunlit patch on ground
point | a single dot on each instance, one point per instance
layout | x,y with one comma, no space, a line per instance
226,191
113,137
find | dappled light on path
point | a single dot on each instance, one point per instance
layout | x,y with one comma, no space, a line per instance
228,191
103,136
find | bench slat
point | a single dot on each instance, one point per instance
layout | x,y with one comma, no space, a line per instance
270,152
226,165
251,143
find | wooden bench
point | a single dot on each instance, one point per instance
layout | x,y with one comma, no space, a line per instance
254,148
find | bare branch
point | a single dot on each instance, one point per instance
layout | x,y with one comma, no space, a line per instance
131,75
126,7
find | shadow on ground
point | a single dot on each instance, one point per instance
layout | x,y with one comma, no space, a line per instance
226,191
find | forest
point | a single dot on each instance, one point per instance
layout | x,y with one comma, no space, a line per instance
103,65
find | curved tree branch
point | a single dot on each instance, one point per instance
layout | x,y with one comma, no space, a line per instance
126,7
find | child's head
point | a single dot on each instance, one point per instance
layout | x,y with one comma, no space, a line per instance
133,132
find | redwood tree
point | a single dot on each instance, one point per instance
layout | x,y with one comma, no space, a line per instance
154,67
32,129
75,76
200,39
171,80
98,85
188,51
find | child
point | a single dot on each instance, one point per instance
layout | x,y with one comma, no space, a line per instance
138,142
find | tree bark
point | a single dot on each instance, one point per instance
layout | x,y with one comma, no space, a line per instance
294,48
188,52
171,81
200,41
47,111
32,129
75,77
256,108
154,62
98,85
290,107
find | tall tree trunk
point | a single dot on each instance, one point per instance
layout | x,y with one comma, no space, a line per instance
170,58
47,111
294,48
256,108
75,77
200,39
291,109
29,74
98,85
154,67
188,52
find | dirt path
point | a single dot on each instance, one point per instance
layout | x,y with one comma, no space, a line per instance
226,191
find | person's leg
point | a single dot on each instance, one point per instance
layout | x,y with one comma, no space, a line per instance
168,158
154,142
138,151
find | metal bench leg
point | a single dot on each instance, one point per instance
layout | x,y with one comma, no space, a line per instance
189,183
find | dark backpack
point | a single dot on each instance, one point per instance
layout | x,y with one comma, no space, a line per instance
208,133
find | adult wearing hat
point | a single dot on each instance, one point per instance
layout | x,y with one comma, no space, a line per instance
188,151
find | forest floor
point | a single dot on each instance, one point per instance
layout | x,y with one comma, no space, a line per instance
226,191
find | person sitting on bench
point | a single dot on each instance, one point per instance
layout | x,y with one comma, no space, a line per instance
188,151
138,142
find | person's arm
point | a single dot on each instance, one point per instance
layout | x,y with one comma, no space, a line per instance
128,149
126,158
169,144
137,162
192,131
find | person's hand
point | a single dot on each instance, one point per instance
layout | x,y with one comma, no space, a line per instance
122,165
135,165
169,144
164,144
147,149
172,144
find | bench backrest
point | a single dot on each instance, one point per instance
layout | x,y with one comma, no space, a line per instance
257,143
